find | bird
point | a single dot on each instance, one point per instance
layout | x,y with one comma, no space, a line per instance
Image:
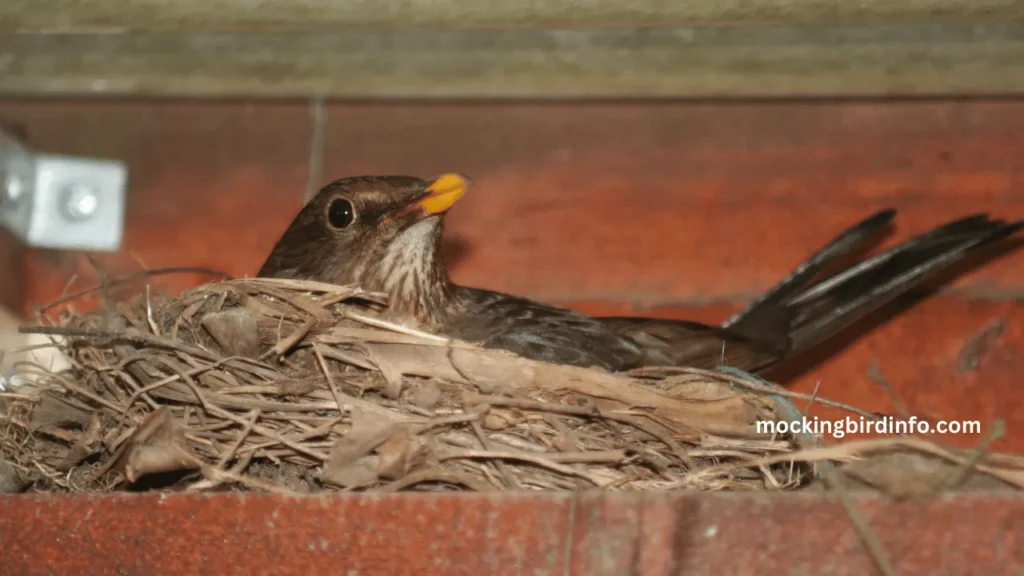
384,233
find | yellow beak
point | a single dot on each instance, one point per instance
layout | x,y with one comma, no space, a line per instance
443,193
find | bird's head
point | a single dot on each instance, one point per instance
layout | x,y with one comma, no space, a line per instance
382,233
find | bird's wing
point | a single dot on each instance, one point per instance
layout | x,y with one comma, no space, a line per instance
694,345
539,331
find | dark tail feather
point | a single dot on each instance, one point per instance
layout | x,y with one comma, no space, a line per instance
809,311
768,311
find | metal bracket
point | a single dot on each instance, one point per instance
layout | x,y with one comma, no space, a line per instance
61,202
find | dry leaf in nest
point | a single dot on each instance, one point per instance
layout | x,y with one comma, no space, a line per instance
350,463
236,331
88,444
400,454
55,412
723,412
426,395
157,446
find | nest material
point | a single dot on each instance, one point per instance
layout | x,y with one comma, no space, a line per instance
299,387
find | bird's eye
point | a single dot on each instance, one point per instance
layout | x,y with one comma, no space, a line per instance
340,213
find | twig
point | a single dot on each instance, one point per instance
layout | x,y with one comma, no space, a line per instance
422,476
542,461
263,431
860,525
285,344
506,474
998,430
876,376
149,314
665,438
130,278
219,476
330,379
230,452
394,327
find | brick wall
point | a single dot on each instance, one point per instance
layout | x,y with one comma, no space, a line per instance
674,209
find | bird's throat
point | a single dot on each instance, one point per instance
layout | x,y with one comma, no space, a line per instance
412,273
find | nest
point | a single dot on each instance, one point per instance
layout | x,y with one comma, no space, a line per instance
300,387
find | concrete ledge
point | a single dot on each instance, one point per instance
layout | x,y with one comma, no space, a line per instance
904,60
587,534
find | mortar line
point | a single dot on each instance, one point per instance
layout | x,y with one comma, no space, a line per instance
571,536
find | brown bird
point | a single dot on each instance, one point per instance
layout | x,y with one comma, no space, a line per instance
384,234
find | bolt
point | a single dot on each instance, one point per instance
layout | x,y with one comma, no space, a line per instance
80,202
13,187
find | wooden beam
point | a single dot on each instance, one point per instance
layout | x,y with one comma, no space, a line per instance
196,15
897,60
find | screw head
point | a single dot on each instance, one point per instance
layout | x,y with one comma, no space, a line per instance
80,202
13,187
